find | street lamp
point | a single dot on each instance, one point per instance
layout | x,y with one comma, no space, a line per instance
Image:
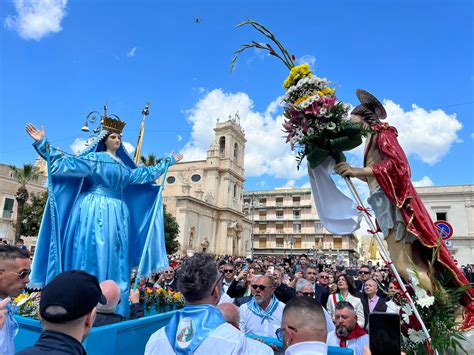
92,118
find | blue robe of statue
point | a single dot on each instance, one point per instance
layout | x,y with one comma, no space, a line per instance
105,207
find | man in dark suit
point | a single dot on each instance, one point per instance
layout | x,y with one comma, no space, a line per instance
371,301
364,274
168,280
321,294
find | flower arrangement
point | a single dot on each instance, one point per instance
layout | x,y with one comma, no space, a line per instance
159,299
27,304
438,312
316,121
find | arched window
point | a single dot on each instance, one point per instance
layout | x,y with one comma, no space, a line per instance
236,150
222,145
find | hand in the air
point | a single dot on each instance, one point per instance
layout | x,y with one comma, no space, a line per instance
178,157
34,133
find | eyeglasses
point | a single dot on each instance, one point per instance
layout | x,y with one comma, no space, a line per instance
169,272
261,287
219,280
279,332
324,277
21,275
364,272
307,294
228,271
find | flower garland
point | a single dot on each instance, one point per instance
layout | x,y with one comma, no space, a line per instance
316,121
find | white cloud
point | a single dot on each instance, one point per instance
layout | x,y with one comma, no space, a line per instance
36,19
131,52
129,147
290,183
472,135
78,145
423,182
307,58
426,134
179,138
265,150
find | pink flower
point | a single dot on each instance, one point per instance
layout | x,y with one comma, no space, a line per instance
313,109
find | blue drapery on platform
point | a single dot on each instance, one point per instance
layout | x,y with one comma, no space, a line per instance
104,209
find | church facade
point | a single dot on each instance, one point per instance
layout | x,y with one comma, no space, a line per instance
205,196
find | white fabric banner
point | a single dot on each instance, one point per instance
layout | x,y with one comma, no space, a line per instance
337,212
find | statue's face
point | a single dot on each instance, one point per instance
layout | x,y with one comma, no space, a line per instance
360,120
113,141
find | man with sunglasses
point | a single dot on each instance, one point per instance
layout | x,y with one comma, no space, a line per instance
364,274
14,275
261,316
229,274
168,280
200,328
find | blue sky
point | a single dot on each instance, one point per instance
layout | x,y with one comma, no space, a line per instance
61,59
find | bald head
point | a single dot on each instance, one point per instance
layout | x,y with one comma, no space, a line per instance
307,316
111,291
231,313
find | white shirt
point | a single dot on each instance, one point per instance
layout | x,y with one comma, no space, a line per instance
225,339
251,323
356,344
225,298
307,348
354,301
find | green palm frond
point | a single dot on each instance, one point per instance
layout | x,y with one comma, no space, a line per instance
281,53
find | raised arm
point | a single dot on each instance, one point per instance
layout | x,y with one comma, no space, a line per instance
146,174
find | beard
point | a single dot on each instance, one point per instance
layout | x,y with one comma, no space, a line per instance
342,331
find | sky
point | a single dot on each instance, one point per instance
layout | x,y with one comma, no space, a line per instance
61,59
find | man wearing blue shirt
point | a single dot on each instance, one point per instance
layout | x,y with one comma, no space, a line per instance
14,275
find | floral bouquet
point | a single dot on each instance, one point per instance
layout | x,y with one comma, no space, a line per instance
438,312
160,299
27,304
316,122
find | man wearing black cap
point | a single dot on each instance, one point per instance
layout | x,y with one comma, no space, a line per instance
67,311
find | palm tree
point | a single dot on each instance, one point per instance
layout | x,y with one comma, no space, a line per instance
150,160
28,173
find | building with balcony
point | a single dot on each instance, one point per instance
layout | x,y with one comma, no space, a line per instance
286,222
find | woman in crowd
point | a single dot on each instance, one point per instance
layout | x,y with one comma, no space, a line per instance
346,292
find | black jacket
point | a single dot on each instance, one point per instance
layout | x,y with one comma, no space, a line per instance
321,294
55,343
381,306
136,311
284,293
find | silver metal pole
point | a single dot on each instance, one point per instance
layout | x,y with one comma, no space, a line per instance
387,259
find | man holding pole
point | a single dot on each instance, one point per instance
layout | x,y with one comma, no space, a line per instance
402,217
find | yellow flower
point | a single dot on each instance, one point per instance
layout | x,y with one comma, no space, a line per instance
297,73
301,99
327,91
149,290
20,297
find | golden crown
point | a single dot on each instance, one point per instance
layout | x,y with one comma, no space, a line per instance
113,125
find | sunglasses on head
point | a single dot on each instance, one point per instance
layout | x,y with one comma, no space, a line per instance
261,287
21,275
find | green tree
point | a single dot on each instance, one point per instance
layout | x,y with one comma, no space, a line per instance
149,160
171,232
33,213
24,175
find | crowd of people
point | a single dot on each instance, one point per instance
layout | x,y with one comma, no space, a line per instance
294,305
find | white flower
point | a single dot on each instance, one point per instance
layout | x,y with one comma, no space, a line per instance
416,336
310,131
323,111
331,126
413,279
407,312
425,302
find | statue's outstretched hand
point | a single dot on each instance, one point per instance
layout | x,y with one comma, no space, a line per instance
34,133
178,157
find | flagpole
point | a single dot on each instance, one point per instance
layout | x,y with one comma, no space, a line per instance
141,133
387,259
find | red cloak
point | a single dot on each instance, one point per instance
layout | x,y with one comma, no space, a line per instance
394,177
